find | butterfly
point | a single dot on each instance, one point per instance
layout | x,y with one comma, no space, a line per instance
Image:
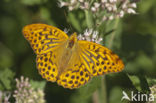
66,60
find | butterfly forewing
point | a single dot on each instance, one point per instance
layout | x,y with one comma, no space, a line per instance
44,38
98,59
46,41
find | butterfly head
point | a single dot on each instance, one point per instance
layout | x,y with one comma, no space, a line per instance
72,40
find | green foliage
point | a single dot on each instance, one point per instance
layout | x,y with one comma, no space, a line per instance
6,57
33,2
38,84
89,19
84,94
132,37
6,79
73,19
113,97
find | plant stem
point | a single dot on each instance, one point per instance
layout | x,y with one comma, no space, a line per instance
96,97
89,19
113,34
103,90
103,79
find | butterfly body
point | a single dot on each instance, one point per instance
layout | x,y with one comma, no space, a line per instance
66,60
72,41
68,52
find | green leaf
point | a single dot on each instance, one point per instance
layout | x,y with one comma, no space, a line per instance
38,84
140,83
136,82
151,81
75,23
114,38
6,77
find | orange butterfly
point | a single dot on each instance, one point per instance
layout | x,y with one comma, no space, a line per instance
66,60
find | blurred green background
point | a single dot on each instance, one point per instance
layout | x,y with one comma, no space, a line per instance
136,45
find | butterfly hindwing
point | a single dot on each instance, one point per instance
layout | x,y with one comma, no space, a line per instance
75,77
75,73
46,65
44,38
98,59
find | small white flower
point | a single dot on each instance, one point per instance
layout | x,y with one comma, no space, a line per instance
104,18
99,40
133,5
79,37
114,7
40,92
92,39
121,14
86,5
70,8
153,90
103,1
73,1
90,35
88,32
124,5
62,4
22,79
30,100
112,1
131,11
111,17
95,34
6,97
81,1
93,9
109,8
107,4
66,30
96,5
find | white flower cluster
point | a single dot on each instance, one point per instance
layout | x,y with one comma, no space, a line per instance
90,35
73,4
109,8
24,93
153,90
117,8
4,97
